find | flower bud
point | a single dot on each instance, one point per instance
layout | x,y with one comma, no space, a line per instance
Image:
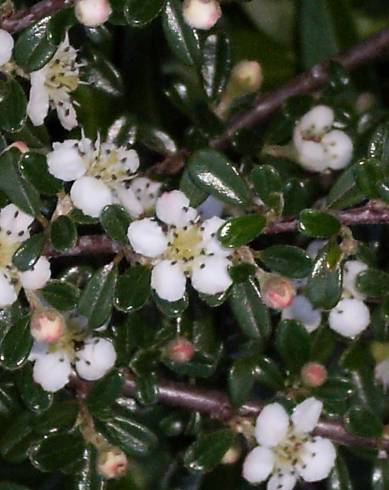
20,145
47,326
313,374
92,13
201,14
112,464
232,455
247,77
180,350
277,292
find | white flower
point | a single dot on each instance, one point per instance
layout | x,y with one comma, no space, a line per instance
201,14
140,196
350,317
101,173
286,450
303,311
318,145
6,46
53,85
183,247
14,225
351,269
382,373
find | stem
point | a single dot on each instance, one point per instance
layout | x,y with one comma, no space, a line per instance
88,244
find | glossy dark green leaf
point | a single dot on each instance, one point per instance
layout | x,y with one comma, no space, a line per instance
334,389
34,168
318,224
96,299
182,39
363,422
17,437
79,217
241,379
104,393
242,272
133,289
345,192
15,186
60,417
115,221
138,14
13,104
16,345
339,478
379,143
241,230
147,389
293,344
287,260
33,395
216,64
368,173
380,475
172,309
195,195
213,173
88,478
250,312
63,234
267,182
207,452
373,282
29,252
156,139
61,295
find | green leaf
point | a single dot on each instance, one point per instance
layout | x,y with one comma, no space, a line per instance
318,224
182,39
172,309
63,234
334,389
250,312
287,260
104,393
193,192
216,64
373,282
379,143
241,230
88,477
339,478
133,289
115,221
345,193
242,272
96,299
13,104
34,168
61,295
363,422
380,475
16,345
60,417
241,379
29,252
267,182
368,174
207,452
33,395
293,344
17,437
213,173
138,14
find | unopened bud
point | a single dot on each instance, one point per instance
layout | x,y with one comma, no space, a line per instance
313,374
112,464
232,455
201,14
247,77
20,145
277,292
92,13
47,326
379,350
180,350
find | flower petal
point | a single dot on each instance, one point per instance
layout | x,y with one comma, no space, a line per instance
283,481
129,200
147,192
339,149
67,114
258,464
306,415
90,195
38,276
318,458
317,121
52,371
38,104
96,358
65,161
210,275
173,208
211,244
351,270
8,295
272,425
15,222
6,46
168,280
147,237
303,311
350,317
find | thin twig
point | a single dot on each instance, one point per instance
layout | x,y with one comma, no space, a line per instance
88,244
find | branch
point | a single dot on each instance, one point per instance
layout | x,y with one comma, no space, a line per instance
88,244
24,18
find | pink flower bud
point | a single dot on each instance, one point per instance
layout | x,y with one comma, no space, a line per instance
92,13
277,292
47,326
313,374
180,350
201,14
247,76
112,464
20,145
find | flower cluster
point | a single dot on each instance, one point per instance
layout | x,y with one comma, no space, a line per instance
287,451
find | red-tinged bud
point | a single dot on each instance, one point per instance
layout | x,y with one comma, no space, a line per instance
47,326
92,13
277,292
180,350
112,464
20,145
201,14
313,374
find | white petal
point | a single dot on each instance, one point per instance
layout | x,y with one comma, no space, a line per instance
306,415
8,294
311,156
52,371
318,457
210,243
147,237
210,275
146,191
129,200
168,280
38,104
350,317
351,270
302,310
67,114
96,358
211,207
339,148
65,162
38,350
272,425
6,46
317,121
90,195
258,464
38,276
14,223
285,481
173,208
